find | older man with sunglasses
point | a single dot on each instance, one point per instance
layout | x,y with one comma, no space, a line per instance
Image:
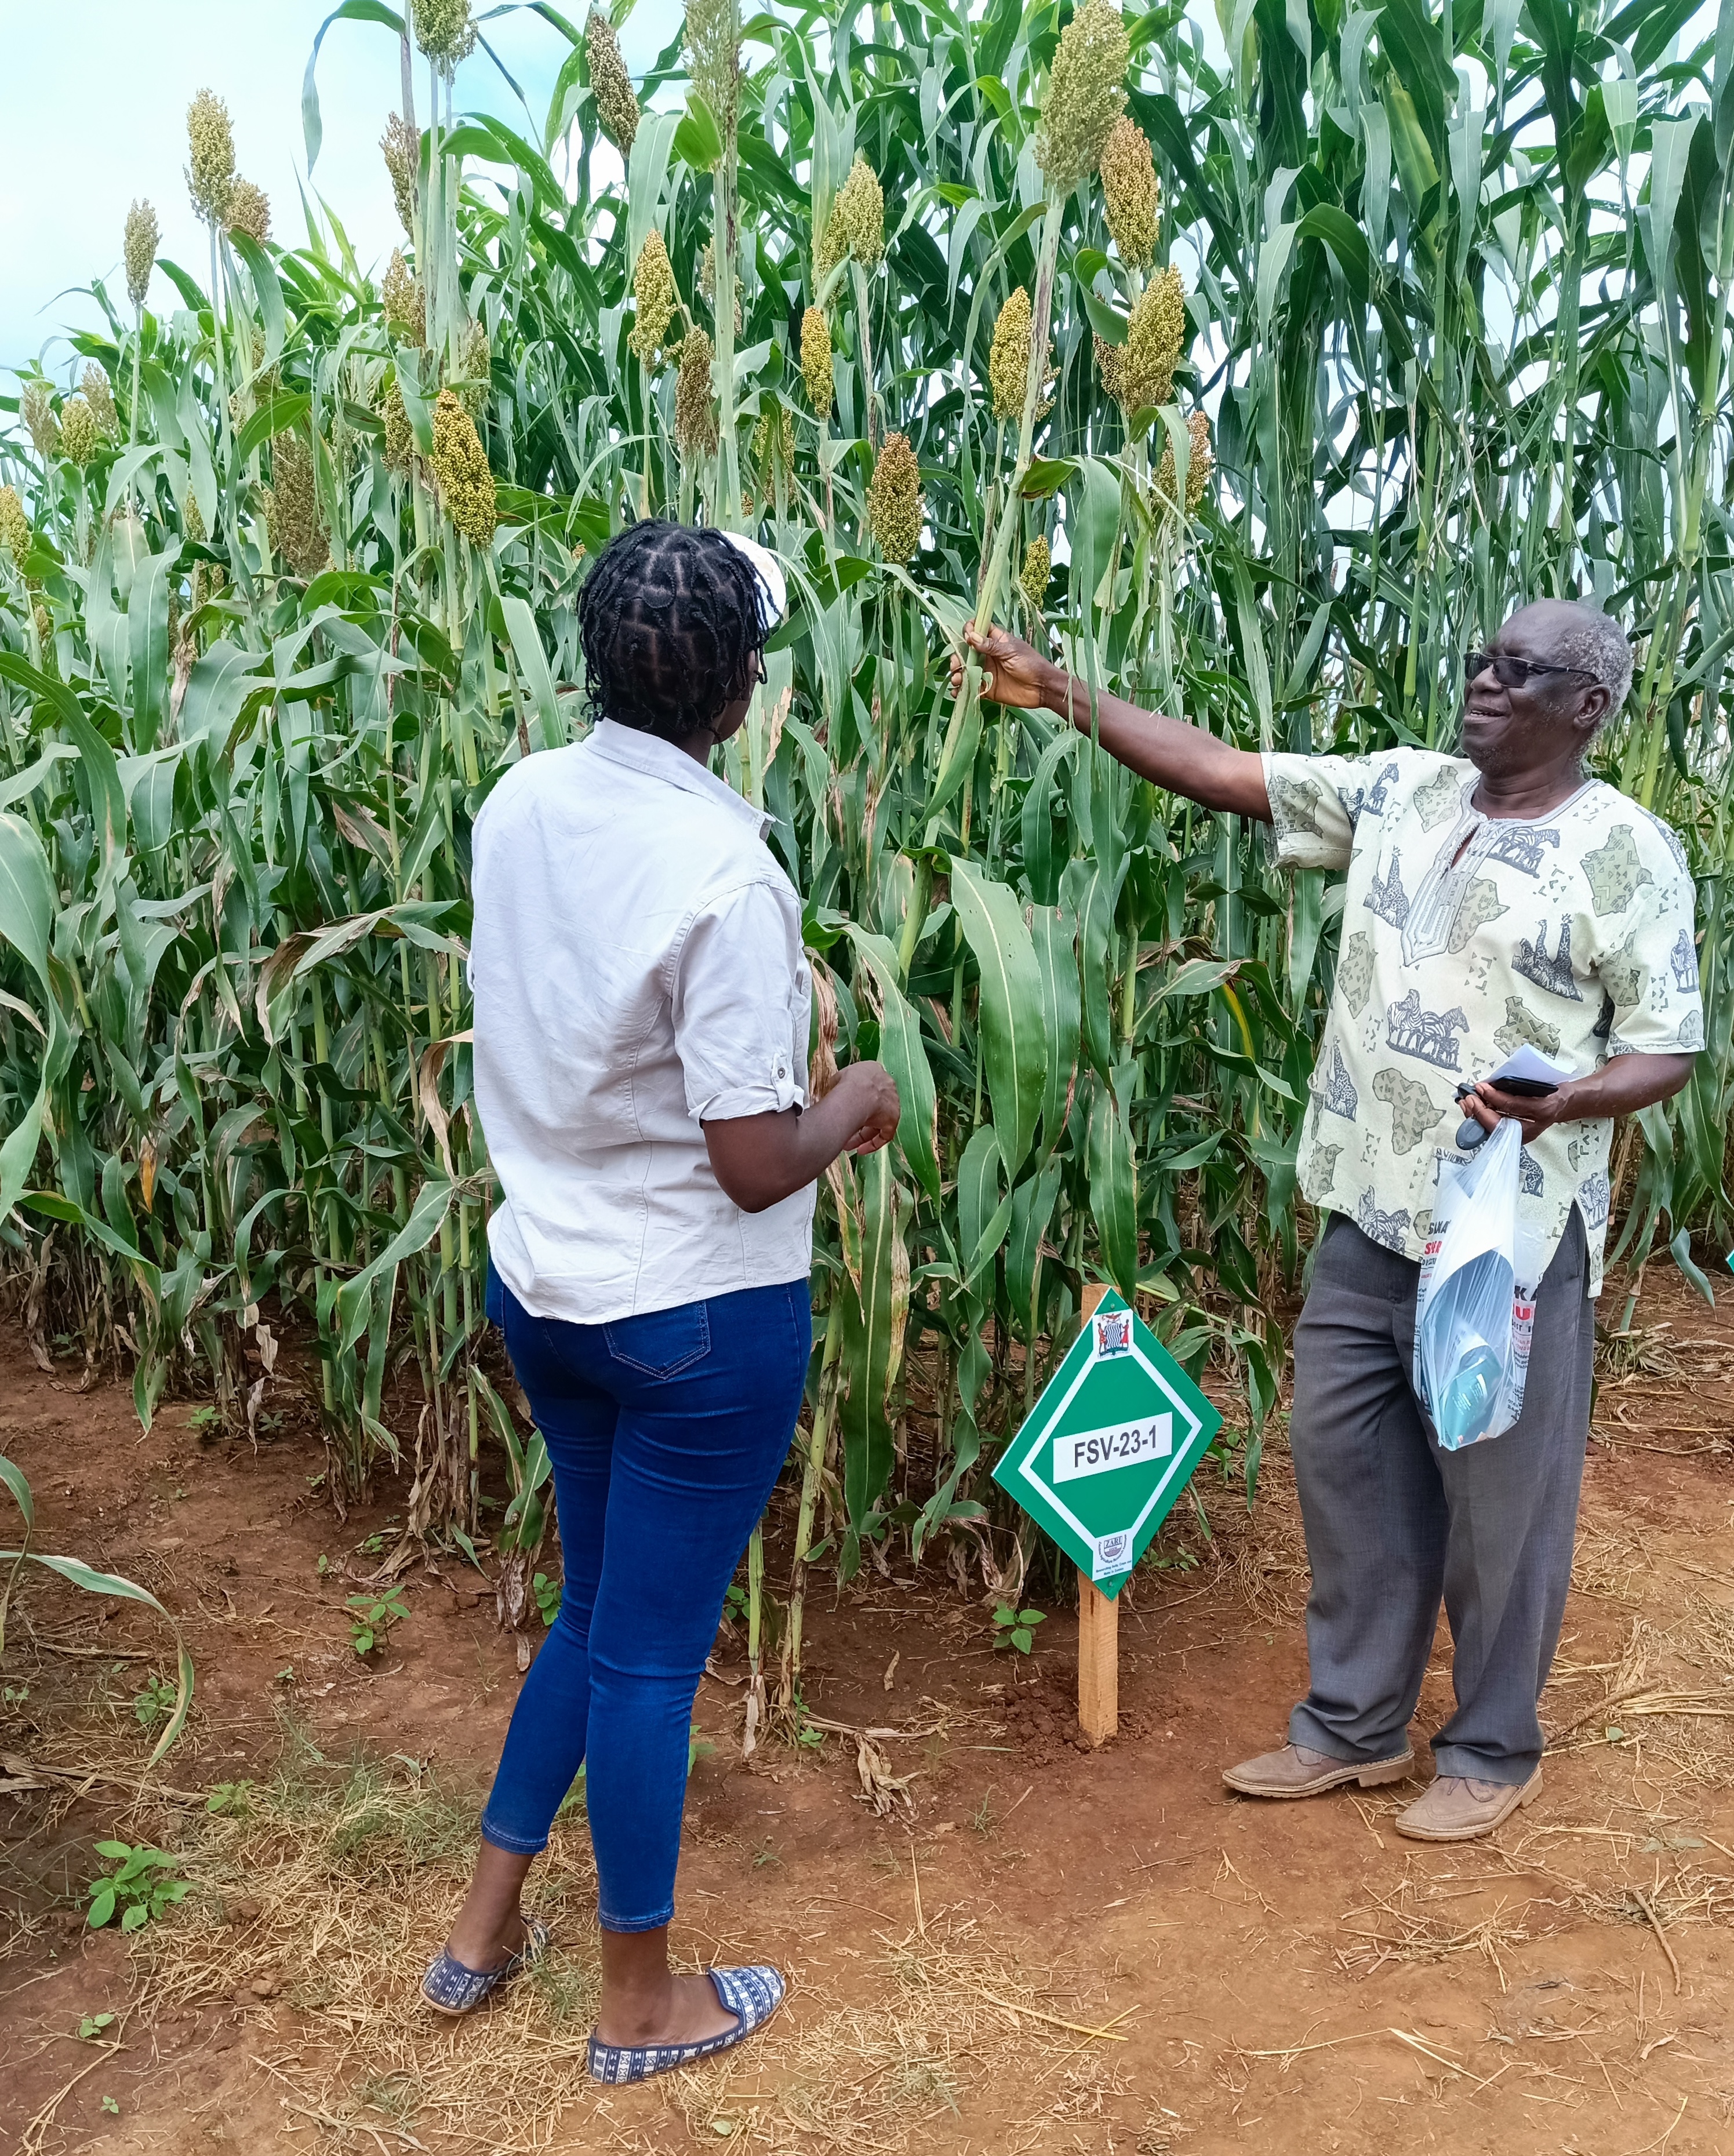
1495,898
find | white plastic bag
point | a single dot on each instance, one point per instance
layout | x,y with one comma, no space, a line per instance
1475,1308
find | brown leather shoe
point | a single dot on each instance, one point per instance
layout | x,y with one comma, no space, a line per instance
1456,1808
1296,1771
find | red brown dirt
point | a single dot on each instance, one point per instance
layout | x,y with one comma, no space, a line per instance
1284,1976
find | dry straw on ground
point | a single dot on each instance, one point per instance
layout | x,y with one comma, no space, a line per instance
328,1892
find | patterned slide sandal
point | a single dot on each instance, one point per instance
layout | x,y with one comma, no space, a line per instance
751,1995
450,1987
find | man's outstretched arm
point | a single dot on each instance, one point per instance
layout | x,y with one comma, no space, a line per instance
1184,759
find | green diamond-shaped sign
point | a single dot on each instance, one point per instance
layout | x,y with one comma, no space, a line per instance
1110,1445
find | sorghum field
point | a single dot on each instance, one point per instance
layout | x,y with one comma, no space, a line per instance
1264,390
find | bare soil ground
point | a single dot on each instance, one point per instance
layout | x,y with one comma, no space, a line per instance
1042,1950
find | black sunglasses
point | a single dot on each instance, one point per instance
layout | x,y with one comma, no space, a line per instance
1514,673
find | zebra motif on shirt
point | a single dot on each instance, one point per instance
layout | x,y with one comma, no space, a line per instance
1381,792
1338,1093
1430,1036
1388,899
1379,1226
1592,1195
1552,973
1518,845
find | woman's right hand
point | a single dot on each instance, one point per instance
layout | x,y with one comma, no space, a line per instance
1013,672
870,1093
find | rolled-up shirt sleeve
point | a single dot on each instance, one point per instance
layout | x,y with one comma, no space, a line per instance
1314,806
1645,953
740,1001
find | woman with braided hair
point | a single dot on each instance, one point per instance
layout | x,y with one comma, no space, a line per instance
641,1028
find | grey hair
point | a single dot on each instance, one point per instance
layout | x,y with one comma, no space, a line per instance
1597,644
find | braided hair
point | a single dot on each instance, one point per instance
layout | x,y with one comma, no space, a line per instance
672,625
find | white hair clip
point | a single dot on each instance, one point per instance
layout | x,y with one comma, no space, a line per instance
773,589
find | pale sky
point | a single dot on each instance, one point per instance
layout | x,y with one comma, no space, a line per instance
92,113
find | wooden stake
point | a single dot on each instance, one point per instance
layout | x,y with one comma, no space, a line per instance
1098,1634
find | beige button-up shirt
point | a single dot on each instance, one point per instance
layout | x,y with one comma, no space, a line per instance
1463,937
637,965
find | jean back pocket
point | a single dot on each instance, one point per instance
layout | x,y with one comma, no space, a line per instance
661,1343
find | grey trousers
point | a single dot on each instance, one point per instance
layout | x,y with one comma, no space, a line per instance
1394,1522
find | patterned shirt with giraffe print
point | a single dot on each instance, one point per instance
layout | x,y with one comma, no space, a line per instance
1463,937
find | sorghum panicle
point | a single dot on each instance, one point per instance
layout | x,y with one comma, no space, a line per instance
80,435
1131,195
292,505
617,105
1008,356
399,435
460,464
141,251
100,398
444,31
707,283
655,298
475,359
249,211
895,511
771,441
860,210
402,150
816,367
37,410
1038,568
193,519
713,60
406,306
14,526
1086,94
1155,339
211,147
694,409
1200,462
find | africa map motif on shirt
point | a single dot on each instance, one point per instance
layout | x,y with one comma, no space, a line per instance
1464,937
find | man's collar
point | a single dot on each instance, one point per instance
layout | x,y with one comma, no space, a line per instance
660,759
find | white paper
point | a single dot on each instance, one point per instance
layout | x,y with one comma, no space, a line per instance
1530,1065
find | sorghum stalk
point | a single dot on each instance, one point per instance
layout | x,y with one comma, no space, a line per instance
993,569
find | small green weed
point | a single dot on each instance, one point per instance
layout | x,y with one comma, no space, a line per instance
230,1800
14,1696
547,1593
154,1702
92,2026
805,1736
136,1886
1016,1628
372,1617
111,2107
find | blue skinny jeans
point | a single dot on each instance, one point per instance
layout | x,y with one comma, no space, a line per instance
666,1434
